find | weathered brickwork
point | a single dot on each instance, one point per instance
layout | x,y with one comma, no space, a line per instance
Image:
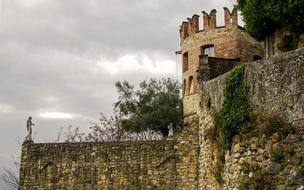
229,41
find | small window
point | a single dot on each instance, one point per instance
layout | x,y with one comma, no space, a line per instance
184,87
190,87
208,50
185,62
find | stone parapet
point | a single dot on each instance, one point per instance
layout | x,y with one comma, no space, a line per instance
119,165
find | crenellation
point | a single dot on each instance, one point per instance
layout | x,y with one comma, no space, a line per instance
184,30
231,18
195,23
190,29
208,22
212,19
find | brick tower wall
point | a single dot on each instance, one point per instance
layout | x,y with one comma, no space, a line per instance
229,41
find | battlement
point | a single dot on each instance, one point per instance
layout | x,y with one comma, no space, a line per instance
191,26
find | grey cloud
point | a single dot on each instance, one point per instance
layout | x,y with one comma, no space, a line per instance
106,28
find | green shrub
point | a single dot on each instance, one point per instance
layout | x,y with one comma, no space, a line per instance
244,185
277,156
287,43
301,169
233,117
259,119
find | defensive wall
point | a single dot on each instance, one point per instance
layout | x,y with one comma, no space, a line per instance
165,164
119,165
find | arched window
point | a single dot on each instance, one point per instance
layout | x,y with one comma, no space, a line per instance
185,62
208,50
184,87
190,85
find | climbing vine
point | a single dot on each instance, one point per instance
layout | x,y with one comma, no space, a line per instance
233,117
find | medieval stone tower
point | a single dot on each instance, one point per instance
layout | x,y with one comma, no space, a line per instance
215,48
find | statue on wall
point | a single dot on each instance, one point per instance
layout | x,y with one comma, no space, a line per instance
29,125
170,133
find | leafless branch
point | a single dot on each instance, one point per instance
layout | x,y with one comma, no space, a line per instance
10,177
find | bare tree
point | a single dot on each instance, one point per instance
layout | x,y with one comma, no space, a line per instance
105,130
59,134
10,177
73,134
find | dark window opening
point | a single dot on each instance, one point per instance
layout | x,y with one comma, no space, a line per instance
184,87
190,86
256,57
185,61
208,50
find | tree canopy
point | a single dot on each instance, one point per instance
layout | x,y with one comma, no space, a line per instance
263,17
154,106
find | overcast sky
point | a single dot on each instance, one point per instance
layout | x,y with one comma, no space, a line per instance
59,59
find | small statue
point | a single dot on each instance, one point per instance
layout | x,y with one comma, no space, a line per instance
29,125
170,133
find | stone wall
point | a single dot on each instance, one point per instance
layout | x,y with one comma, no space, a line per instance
262,162
208,152
275,88
190,104
166,164
187,153
120,165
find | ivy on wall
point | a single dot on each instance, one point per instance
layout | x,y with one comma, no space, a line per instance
235,114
